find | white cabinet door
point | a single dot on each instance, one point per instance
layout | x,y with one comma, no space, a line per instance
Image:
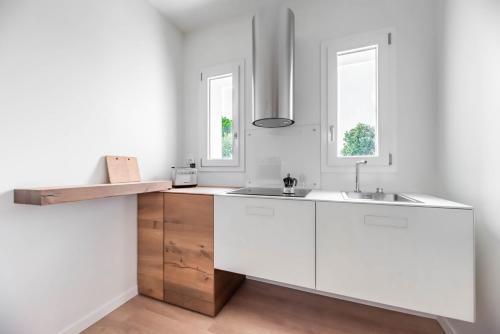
266,238
420,259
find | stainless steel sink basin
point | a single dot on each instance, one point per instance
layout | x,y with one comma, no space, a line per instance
379,197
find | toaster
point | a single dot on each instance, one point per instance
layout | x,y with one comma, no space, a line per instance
184,177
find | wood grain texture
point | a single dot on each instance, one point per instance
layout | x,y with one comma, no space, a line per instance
57,195
150,245
265,309
189,275
122,169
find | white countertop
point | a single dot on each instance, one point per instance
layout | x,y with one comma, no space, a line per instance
201,190
425,200
332,196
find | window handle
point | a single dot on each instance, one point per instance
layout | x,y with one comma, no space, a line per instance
235,135
332,133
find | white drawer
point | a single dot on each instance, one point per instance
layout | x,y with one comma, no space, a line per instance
420,259
266,238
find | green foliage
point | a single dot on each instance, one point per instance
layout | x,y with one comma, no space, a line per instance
227,138
227,125
227,146
359,141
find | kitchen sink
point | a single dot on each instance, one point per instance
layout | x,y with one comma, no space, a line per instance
379,197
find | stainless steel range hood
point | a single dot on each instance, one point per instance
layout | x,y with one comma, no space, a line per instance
273,67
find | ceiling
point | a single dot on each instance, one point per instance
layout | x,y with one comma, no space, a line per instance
189,15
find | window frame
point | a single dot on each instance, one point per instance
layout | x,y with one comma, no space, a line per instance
386,122
236,69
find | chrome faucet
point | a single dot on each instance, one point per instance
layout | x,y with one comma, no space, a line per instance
358,163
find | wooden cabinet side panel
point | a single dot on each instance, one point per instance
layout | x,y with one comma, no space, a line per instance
226,283
150,245
189,251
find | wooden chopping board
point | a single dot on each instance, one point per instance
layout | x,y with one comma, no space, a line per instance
123,169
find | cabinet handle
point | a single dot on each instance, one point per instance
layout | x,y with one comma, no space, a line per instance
259,211
382,221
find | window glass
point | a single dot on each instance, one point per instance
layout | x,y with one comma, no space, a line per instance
357,102
220,117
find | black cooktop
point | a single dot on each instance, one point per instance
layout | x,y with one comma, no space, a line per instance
270,192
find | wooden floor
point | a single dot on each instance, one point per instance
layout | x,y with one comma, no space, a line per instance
260,308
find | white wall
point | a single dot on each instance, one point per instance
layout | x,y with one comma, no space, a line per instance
317,21
78,80
210,46
469,138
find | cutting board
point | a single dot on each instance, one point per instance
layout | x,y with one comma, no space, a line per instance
122,169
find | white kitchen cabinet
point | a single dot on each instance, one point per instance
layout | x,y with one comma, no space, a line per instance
272,239
416,258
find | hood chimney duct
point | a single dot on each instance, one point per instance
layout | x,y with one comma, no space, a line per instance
273,39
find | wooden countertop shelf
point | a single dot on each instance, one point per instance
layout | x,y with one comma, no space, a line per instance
57,195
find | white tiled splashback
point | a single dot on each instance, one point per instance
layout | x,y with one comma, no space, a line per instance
272,153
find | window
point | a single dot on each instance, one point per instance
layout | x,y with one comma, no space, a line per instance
220,109
357,102
357,117
220,117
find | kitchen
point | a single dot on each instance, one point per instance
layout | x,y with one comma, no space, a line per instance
84,80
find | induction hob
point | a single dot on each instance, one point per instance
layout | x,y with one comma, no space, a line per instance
270,192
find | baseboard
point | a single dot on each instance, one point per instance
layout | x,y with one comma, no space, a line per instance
99,313
354,300
446,326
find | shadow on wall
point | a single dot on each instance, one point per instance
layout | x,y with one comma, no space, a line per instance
100,173
84,252
6,199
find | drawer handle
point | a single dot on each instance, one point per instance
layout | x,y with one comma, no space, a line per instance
386,221
259,211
